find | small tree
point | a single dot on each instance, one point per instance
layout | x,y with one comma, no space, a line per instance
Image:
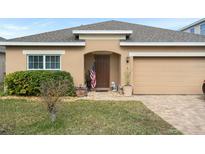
51,93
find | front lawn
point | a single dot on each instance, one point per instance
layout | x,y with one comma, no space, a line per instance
81,117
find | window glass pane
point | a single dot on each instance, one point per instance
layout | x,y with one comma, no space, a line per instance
48,65
52,58
36,65
58,59
48,59
41,65
30,65
202,27
30,59
41,59
57,65
53,65
192,30
35,59
35,62
52,62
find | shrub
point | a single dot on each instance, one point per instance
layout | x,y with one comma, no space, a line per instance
51,93
1,89
28,82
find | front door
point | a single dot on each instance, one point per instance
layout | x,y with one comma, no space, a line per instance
102,65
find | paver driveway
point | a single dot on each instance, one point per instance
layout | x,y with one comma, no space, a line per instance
184,112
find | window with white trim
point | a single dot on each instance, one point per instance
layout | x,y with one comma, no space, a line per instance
43,62
202,28
35,62
52,62
192,30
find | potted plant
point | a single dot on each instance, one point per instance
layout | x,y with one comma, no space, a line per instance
81,91
127,88
203,88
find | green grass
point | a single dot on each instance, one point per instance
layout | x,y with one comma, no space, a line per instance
81,117
2,89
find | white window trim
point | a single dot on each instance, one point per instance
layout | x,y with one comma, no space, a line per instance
44,61
43,52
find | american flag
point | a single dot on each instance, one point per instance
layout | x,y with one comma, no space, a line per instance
93,76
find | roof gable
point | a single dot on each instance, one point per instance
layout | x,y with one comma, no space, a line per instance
141,33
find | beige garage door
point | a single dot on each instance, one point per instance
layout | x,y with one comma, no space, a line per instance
168,75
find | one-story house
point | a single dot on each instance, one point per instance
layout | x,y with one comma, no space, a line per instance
2,60
159,61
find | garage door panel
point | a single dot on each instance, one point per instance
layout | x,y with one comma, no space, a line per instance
176,78
168,75
169,90
162,85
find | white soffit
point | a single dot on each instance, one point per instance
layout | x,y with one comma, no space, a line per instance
125,32
41,52
167,54
162,43
42,43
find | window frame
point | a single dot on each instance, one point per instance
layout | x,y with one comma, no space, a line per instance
203,29
44,61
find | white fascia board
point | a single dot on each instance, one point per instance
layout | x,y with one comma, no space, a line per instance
162,43
126,32
167,54
42,43
43,52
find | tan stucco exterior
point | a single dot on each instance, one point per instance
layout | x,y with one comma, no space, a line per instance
73,59
74,62
114,64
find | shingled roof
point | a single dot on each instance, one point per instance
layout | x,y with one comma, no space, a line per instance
2,39
141,33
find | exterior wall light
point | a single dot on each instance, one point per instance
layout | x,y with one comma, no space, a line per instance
127,59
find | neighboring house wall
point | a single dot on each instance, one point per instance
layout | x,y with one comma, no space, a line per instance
2,66
197,28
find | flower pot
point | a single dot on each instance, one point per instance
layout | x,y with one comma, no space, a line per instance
81,92
203,87
127,90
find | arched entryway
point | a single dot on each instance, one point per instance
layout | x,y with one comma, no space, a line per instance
107,68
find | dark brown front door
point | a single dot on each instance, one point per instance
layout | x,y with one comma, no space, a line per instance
102,65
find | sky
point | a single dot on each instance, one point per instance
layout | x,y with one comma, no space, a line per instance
18,27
